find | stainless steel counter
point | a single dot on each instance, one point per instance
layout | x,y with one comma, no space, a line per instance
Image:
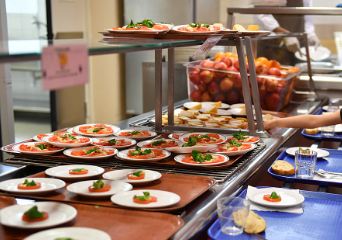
199,213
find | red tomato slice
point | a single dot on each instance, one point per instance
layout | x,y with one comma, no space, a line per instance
150,200
25,218
105,188
22,186
133,177
81,172
268,198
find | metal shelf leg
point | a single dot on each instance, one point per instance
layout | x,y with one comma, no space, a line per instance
158,88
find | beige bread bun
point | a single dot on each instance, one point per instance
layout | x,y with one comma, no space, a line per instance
238,27
253,27
282,168
254,223
311,131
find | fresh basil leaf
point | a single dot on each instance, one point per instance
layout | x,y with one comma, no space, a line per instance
78,169
135,132
98,184
274,195
95,130
29,183
191,142
33,213
158,142
137,173
240,135
41,146
95,149
112,141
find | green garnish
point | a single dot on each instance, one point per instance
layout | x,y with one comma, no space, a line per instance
274,195
200,157
33,213
29,183
41,146
64,238
147,22
68,135
145,197
95,149
137,173
234,143
98,184
78,169
95,130
203,136
138,151
135,132
131,24
191,142
240,135
112,141
197,25
158,142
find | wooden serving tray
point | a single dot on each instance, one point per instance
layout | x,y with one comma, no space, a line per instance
120,224
188,187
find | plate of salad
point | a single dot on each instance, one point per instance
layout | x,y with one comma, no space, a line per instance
93,152
145,26
96,129
37,148
234,148
244,137
116,142
199,28
143,154
197,158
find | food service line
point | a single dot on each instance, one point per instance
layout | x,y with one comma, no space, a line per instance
201,212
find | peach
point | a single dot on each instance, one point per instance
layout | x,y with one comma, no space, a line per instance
226,84
206,76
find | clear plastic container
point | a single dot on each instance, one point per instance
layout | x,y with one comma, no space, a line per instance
210,80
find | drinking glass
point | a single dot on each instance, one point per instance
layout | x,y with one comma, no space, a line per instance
232,213
305,161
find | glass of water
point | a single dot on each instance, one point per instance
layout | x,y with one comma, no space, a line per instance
305,161
232,213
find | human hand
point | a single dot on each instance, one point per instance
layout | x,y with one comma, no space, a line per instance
313,40
292,44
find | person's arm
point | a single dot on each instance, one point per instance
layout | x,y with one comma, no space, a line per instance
305,121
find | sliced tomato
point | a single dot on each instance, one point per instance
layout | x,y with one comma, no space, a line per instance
268,198
215,159
25,218
151,199
78,171
133,177
22,186
105,188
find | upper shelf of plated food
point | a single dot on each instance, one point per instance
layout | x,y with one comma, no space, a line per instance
147,28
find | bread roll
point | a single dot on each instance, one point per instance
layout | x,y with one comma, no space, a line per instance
311,131
254,223
282,168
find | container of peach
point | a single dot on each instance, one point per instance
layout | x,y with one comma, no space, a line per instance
219,79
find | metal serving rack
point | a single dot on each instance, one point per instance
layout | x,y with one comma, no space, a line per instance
326,11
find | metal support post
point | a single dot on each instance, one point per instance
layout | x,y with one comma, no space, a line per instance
170,86
245,86
308,61
158,58
254,84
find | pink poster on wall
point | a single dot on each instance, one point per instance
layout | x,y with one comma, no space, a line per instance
64,66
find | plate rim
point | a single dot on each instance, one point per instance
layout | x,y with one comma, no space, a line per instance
321,156
133,181
74,176
146,206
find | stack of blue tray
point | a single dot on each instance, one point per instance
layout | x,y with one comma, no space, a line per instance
322,219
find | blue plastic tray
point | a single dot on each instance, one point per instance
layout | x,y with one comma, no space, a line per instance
318,136
322,219
331,163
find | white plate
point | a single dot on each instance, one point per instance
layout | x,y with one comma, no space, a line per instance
178,135
79,233
152,134
114,129
63,171
81,188
124,155
288,199
316,53
164,198
95,142
122,175
256,141
179,158
235,153
59,213
67,152
68,145
191,105
325,108
17,149
320,152
154,31
222,138
143,143
39,137
47,185
200,148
